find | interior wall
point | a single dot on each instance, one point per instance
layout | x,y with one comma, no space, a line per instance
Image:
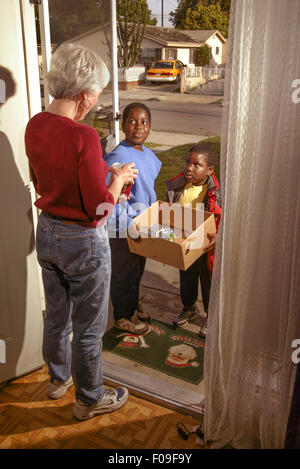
20,294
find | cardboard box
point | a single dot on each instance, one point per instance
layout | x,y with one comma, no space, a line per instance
180,249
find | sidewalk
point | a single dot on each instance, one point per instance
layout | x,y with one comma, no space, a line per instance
168,140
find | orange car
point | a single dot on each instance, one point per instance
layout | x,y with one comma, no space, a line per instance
165,70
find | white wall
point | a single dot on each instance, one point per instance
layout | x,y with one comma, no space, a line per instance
148,44
215,42
20,296
183,55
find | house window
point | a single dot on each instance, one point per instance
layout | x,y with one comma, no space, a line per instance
147,57
171,54
217,50
148,54
158,54
193,56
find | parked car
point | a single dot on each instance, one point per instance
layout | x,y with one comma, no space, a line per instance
165,70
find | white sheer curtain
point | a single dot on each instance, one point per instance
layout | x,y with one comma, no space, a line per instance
254,311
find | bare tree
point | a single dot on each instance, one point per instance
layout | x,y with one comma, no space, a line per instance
132,15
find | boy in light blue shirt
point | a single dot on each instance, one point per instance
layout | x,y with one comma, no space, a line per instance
128,268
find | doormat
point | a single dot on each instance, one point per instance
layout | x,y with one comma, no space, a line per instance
176,352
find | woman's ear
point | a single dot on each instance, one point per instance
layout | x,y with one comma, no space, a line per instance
83,95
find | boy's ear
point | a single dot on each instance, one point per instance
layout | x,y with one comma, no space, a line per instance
210,170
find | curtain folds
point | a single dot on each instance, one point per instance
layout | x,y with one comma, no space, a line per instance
254,313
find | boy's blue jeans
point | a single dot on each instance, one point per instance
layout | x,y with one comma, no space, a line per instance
127,271
189,280
75,264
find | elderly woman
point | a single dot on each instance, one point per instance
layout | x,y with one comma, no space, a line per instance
69,174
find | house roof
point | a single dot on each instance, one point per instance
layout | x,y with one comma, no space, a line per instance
172,36
201,35
167,36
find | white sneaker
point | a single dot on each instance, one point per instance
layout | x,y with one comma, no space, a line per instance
185,316
113,399
203,330
132,325
57,389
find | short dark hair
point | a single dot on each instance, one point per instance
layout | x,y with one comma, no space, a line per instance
208,151
134,106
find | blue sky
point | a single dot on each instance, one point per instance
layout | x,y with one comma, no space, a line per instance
155,6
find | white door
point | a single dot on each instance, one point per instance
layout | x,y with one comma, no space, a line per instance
21,301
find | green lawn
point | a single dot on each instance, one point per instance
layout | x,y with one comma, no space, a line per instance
153,145
173,162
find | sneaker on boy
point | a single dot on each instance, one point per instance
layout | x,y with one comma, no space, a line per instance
143,315
132,325
113,399
203,329
57,389
185,316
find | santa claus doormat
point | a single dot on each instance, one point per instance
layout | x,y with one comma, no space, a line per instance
176,352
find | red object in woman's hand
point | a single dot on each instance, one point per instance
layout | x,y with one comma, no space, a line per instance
126,191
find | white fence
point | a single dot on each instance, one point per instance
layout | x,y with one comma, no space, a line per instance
192,79
131,74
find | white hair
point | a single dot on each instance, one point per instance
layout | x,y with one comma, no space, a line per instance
75,68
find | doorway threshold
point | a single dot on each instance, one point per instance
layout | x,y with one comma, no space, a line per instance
160,297
159,389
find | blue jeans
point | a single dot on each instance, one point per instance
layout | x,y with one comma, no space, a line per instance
75,264
189,283
126,276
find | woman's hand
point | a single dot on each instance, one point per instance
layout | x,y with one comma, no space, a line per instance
127,173
120,178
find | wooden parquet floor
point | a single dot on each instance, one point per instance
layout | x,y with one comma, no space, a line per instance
29,420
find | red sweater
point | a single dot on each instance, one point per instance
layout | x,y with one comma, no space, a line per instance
67,168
